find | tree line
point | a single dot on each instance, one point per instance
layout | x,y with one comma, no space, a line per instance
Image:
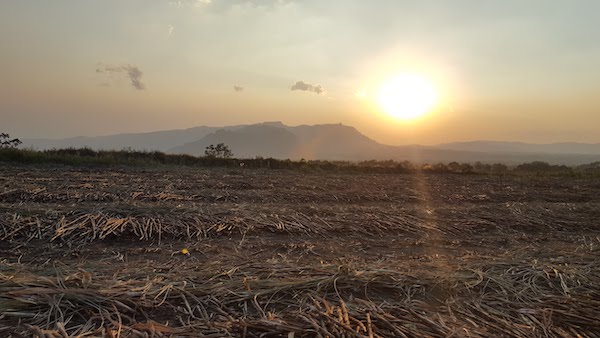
220,155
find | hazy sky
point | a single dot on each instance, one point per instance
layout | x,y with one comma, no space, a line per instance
505,70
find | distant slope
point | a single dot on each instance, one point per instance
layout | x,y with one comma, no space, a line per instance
520,147
333,141
327,142
340,142
250,141
159,140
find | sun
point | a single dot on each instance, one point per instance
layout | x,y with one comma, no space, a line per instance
407,96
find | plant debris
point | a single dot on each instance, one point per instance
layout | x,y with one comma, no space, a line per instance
251,253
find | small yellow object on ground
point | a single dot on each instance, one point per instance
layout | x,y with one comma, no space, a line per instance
185,251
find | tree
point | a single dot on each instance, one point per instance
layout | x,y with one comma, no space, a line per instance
499,168
218,151
465,168
535,166
482,167
6,142
440,168
454,167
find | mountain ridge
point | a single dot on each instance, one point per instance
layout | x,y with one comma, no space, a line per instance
326,142
523,147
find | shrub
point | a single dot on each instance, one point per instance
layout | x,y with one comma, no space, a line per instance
7,142
218,151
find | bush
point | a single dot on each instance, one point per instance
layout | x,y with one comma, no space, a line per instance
219,151
7,142
90,157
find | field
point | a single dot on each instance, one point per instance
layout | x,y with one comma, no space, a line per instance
131,252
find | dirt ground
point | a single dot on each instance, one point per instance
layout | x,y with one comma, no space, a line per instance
98,252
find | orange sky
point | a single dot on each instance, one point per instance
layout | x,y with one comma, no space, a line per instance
504,70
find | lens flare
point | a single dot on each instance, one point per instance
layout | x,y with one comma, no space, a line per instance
407,96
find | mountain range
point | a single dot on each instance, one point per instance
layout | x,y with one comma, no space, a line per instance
327,142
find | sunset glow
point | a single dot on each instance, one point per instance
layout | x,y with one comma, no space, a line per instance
407,96
401,72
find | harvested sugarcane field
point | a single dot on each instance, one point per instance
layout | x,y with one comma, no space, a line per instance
238,252
299,169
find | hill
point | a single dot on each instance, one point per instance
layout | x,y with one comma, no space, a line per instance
521,147
158,140
326,142
250,141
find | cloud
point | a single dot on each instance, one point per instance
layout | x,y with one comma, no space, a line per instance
195,3
132,72
171,28
135,75
307,87
238,88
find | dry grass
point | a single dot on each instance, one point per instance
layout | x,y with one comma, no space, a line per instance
287,254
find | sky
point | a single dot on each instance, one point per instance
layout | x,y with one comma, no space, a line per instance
508,70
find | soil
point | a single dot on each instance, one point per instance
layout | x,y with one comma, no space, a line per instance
275,253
